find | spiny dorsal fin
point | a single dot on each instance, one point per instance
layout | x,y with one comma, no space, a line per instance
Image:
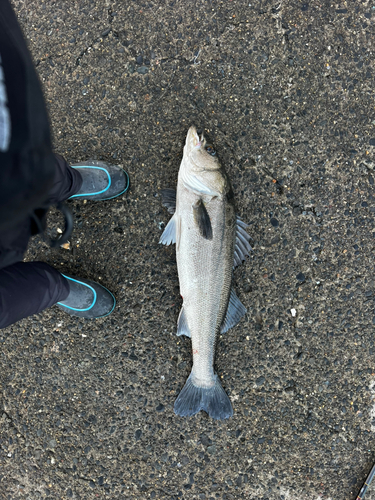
168,199
242,246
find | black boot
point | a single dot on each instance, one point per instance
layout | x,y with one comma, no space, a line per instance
101,181
87,299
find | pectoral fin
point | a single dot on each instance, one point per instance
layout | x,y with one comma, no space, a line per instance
169,233
236,310
202,219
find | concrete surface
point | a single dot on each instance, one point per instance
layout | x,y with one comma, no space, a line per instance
285,90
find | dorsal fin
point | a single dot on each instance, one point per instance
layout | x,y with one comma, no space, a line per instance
168,199
242,245
234,313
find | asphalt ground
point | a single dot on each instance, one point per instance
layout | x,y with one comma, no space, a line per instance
286,92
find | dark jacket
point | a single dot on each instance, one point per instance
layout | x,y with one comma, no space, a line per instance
26,159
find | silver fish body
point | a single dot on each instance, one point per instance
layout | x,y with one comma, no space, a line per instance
205,275
205,229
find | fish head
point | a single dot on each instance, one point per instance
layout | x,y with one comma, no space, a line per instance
199,153
201,166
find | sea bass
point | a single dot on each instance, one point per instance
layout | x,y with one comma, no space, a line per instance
210,241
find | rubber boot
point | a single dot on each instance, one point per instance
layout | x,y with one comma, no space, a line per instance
101,181
87,299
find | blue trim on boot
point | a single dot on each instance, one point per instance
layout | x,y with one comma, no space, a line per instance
95,297
88,286
98,192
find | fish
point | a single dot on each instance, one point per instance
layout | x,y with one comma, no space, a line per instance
211,240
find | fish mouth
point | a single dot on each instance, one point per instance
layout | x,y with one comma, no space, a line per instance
194,138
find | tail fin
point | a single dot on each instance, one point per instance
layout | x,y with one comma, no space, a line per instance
213,401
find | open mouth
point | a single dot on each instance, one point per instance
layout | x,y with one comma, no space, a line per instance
195,138
198,138
200,134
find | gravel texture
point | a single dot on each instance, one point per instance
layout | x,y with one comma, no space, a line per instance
285,91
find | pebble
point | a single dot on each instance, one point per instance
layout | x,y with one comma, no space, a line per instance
274,222
52,443
143,70
205,440
211,449
138,434
260,381
301,277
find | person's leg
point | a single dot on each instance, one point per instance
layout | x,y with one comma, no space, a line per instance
92,180
67,182
27,288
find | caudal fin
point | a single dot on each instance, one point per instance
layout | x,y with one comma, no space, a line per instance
213,401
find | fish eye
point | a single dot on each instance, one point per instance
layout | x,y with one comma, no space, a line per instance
210,150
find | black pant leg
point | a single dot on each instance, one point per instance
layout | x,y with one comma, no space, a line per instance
28,288
14,240
13,243
66,183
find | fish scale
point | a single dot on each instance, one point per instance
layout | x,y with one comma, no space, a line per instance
205,275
